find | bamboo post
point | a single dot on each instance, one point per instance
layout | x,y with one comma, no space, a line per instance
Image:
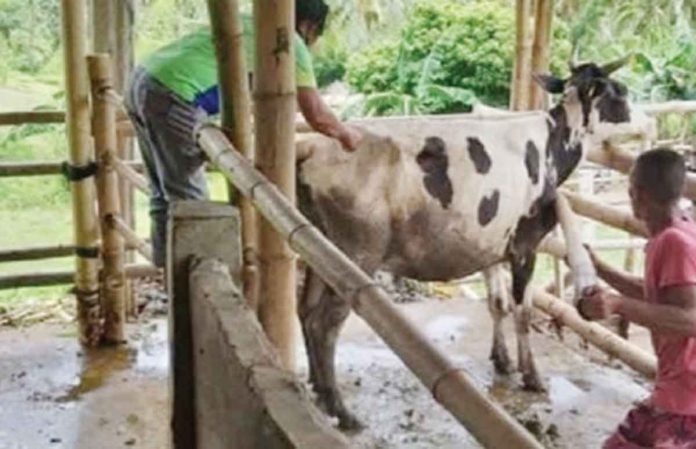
274,101
112,251
522,66
451,386
236,122
85,221
543,17
123,64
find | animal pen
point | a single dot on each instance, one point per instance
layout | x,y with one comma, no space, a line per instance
219,287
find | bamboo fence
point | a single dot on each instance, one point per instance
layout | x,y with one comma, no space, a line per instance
449,384
274,118
236,123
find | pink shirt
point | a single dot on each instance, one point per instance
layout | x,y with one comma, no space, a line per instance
670,260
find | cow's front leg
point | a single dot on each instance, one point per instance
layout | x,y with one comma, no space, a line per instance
522,269
322,314
499,307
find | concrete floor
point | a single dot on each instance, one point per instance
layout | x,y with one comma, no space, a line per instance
55,396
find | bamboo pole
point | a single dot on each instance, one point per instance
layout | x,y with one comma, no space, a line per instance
36,253
274,101
236,121
622,160
596,334
133,177
112,250
34,117
450,385
669,107
605,214
131,238
543,17
61,277
18,169
85,220
523,56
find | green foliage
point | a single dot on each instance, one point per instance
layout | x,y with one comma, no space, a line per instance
660,33
450,55
29,31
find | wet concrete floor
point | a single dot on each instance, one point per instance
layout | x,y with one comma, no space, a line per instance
54,396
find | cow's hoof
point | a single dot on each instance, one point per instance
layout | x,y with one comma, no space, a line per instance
347,422
501,360
532,382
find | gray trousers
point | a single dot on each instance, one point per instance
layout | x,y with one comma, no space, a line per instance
164,125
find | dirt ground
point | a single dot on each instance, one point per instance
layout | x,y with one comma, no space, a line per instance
54,396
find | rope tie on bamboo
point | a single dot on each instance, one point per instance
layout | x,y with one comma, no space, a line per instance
441,378
75,173
87,252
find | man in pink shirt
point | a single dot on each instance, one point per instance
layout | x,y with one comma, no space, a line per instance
664,301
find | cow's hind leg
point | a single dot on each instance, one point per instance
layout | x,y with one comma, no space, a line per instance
499,307
322,314
522,269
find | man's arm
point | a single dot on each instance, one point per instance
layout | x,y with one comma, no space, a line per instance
320,117
676,314
625,283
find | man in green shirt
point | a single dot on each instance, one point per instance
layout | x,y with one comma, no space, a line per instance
176,88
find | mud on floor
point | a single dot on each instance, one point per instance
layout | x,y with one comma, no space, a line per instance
56,397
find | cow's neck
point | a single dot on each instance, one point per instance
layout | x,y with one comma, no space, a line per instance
566,133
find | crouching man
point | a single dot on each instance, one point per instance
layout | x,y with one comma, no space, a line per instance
664,301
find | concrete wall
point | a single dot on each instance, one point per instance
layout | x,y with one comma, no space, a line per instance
239,396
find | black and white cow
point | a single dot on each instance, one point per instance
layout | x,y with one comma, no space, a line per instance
439,199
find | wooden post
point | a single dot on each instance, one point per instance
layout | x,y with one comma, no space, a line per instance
236,122
112,251
275,157
85,221
112,23
522,74
543,17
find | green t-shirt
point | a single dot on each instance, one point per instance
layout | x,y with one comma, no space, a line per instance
188,66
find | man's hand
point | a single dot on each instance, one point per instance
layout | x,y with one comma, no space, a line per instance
598,304
350,138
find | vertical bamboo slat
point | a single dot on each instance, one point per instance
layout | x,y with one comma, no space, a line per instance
523,56
123,63
85,223
112,251
275,157
543,17
236,122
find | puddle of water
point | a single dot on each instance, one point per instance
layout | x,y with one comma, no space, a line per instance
147,353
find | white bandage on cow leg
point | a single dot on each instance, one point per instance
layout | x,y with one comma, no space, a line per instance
584,272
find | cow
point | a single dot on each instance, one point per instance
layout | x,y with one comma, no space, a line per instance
436,199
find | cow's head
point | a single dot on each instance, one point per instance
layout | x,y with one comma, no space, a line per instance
590,97
591,107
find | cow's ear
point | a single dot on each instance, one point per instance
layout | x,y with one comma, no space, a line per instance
549,83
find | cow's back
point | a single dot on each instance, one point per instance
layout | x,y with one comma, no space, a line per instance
427,198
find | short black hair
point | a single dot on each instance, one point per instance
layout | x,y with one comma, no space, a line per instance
661,174
314,11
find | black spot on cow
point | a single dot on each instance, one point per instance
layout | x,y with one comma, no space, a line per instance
488,207
478,155
564,157
434,163
531,161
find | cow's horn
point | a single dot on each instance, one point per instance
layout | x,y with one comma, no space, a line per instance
613,66
574,57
